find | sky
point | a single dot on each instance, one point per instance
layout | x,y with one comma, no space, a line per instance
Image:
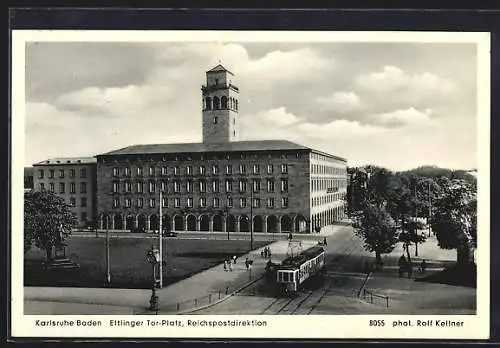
396,105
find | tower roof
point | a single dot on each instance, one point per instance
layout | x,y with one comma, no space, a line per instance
219,68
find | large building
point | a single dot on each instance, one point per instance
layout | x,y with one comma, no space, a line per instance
74,179
220,184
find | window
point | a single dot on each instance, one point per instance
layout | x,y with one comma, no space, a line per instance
61,173
229,169
51,174
51,187
215,169
163,171
83,187
177,186
190,202
164,202
152,187
163,186
151,171
202,170
140,202
203,186
116,171
189,186
243,186
215,120
229,202
270,185
176,170
127,171
128,202
83,173
270,202
139,171
61,187
216,202
256,202
140,187
229,185
128,186
40,174
284,168
215,185
116,202
242,169
284,202
116,186
83,201
243,202
152,202
284,185
256,185
189,170
71,173
72,201
269,169
42,186
203,202
177,202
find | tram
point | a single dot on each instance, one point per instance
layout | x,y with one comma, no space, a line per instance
294,271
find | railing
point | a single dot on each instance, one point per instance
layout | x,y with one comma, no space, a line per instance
371,295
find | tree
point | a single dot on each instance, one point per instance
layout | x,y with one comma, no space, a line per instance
47,220
378,230
454,219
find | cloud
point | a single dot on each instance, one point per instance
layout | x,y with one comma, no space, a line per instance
406,117
392,79
339,129
342,102
278,117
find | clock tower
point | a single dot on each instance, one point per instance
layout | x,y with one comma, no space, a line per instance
220,106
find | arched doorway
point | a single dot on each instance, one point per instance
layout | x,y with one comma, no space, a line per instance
191,223
244,225
154,223
286,224
258,225
231,223
217,223
130,222
165,223
178,223
300,224
204,223
141,223
118,220
272,224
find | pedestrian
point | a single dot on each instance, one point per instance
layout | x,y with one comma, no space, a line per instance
402,263
410,269
225,265
262,253
234,259
269,253
246,262
423,266
230,267
290,237
325,241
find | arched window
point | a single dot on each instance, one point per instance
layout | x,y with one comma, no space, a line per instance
236,105
208,103
230,103
223,103
216,103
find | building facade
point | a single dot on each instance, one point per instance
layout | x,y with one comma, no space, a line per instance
74,179
220,184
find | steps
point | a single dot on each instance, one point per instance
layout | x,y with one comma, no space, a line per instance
61,264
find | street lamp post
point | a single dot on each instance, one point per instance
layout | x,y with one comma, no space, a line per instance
108,272
251,218
153,257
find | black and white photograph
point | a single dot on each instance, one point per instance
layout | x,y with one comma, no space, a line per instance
260,177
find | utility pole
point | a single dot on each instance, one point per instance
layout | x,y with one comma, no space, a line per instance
415,219
160,236
251,218
108,272
430,207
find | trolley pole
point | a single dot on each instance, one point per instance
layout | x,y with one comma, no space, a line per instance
251,218
160,236
108,272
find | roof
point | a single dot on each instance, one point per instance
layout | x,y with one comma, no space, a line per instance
219,68
293,262
67,160
236,146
